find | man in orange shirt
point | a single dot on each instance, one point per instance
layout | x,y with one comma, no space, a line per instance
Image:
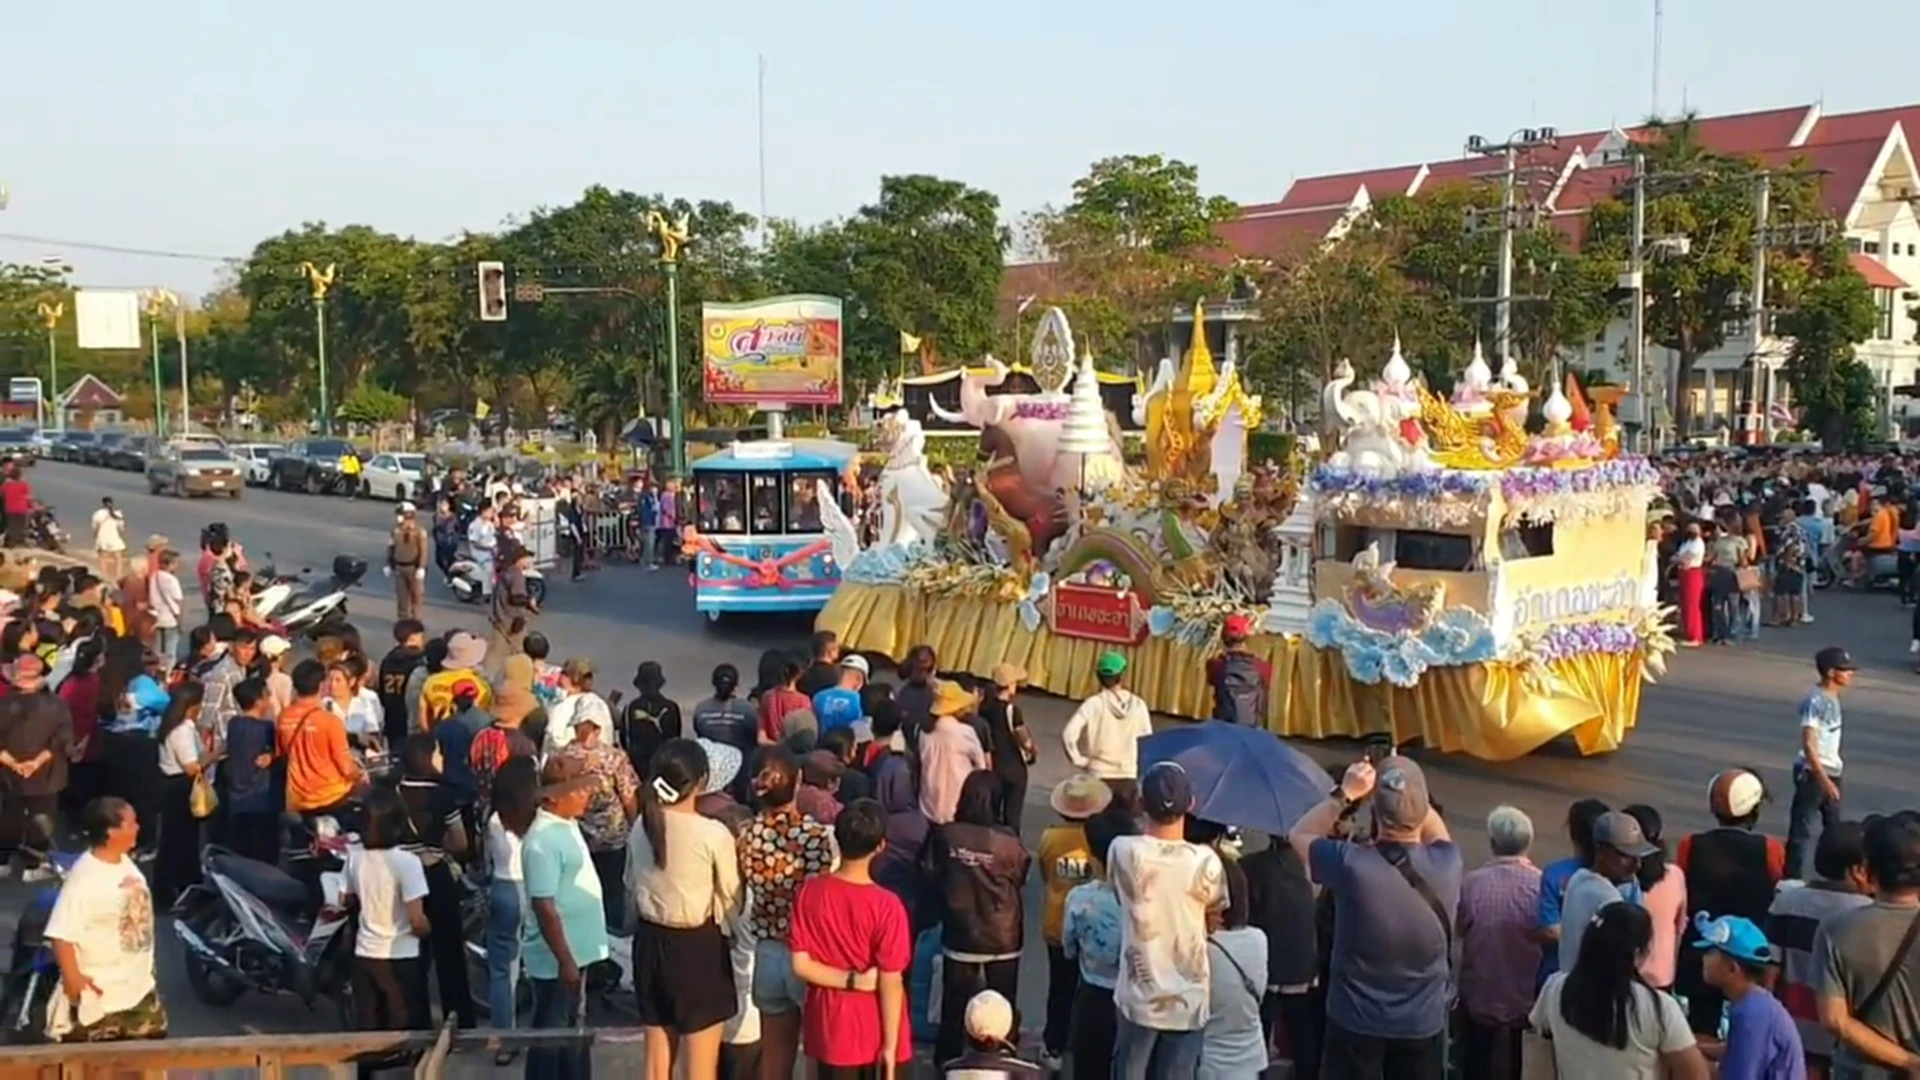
322,772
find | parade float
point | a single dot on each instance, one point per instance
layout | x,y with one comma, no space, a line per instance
1441,574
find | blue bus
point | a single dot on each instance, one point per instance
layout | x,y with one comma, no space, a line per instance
761,539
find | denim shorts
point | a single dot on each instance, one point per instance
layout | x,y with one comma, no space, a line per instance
776,989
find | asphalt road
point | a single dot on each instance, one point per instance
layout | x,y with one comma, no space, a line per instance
1717,706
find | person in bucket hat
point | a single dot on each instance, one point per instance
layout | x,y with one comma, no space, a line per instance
1762,1041
1103,736
1065,860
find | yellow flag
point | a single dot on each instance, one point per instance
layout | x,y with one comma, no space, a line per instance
481,410
909,343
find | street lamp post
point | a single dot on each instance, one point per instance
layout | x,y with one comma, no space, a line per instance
157,303
50,317
672,235
321,280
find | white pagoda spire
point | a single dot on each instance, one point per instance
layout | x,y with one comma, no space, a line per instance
1085,431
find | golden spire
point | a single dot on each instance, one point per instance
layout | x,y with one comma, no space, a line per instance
1196,375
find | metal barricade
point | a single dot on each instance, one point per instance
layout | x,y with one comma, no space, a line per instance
609,529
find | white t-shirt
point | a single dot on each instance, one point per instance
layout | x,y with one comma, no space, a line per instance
1657,1026
386,881
179,749
364,715
570,710
1166,888
106,913
503,850
165,599
109,530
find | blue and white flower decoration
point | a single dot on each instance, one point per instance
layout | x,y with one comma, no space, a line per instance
1038,587
1457,636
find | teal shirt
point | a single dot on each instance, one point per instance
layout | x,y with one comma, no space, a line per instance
554,866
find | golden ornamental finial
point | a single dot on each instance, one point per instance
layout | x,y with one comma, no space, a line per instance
673,235
321,280
50,313
158,301
1196,369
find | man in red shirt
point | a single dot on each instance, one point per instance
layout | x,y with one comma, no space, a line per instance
16,500
1240,680
851,945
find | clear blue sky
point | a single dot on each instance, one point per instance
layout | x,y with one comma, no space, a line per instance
204,125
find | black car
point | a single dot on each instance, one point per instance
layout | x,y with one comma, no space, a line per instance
17,443
130,454
309,465
101,450
72,445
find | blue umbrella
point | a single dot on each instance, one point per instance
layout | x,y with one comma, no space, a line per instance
1244,777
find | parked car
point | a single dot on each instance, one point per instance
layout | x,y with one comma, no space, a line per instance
309,465
72,445
17,443
43,443
194,469
131,453
101,450
394,476
258,458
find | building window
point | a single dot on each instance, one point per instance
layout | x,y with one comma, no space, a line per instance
1853,244
1873,247
1885,330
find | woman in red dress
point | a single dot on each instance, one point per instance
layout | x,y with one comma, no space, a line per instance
1690,562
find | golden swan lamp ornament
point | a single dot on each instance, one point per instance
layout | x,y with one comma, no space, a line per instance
673,235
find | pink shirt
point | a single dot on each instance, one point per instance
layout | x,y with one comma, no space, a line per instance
1666,904
949,750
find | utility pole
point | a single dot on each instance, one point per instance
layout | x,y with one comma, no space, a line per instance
321,280
1637,285
1510,213
50,318
157,301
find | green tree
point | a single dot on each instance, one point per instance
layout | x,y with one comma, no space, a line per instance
1138,235
369,404
1832,311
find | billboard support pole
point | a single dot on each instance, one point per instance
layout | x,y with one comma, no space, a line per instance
776,419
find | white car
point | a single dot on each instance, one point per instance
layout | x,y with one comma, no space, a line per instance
257,457
394,476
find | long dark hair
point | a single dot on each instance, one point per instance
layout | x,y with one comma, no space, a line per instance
1597,998
125,661
187,695
979,800
679,766
1652,867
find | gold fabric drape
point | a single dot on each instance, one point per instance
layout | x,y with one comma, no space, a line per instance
1486,710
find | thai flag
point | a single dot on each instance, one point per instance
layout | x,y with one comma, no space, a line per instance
1779,415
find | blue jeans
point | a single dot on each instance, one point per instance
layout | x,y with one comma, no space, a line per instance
503,949
167,643
1810,807
555,1006
1140,1052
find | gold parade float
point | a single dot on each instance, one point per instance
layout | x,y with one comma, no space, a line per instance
1438,574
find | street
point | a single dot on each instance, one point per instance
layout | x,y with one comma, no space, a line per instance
1716,708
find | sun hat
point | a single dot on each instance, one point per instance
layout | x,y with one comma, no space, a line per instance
1080,796
1009,674
951,699
1110,664
465,650
564,773
1735,936
274,645
513,704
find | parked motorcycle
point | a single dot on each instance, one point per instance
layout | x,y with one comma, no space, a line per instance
252,926
305,606
33,976
44,531
463,581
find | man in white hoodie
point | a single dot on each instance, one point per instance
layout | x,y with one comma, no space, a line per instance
1103,737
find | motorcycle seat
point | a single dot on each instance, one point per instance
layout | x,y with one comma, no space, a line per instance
270,884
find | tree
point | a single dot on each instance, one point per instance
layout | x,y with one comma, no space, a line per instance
1831,311
369,405
1138,235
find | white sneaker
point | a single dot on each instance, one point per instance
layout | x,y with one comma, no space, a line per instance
1052,1063
1806,618
6,870
38,873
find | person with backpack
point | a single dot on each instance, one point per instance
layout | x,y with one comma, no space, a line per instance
1239,678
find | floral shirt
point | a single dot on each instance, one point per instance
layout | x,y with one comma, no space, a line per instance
605,824
1090,932
779,849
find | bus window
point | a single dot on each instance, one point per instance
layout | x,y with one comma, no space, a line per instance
763,502
723,506
803,501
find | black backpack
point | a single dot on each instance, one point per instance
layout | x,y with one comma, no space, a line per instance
1240,694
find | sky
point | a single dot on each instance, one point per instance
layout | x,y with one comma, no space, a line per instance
204,126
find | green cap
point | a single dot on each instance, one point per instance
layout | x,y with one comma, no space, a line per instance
1110,663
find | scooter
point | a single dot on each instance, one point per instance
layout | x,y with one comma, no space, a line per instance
313,608
252,926
44,531
33,976
463,581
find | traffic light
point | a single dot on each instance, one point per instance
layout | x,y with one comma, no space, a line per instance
493,292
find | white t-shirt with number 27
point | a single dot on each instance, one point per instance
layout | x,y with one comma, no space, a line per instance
106,913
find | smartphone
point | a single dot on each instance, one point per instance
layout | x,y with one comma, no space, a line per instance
1378,746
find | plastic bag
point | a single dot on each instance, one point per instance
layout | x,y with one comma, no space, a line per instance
204,800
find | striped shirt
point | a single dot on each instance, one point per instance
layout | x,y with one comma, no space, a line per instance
1795,914
1499,905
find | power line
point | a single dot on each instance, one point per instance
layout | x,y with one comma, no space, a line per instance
116,249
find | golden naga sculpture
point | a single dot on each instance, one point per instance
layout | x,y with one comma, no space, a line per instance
1459,442
673,235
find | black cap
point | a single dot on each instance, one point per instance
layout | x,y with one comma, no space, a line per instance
1833,658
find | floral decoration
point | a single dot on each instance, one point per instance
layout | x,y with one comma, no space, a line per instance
1038,587
886,564
1041,410
1456,636
1604,489
1432,498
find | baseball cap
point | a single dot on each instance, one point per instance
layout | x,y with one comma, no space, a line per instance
1619,831
1400,798
274,645
1735,936
1237,628
466,687
577,668
857,663
1166,790
989,1017
564,773
1833,658
405,508
1110,664
1735,793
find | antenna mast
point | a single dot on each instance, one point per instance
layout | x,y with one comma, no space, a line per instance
1659,17
762,108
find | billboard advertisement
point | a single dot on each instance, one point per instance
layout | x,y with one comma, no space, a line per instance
781,350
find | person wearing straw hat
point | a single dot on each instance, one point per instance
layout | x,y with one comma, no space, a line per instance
1103,736
949,751
1065,861
1009,743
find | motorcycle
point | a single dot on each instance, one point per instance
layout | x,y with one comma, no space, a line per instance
463,581
305,606
33,976
44,531
252,926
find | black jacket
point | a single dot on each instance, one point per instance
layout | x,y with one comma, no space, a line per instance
30,723
978,871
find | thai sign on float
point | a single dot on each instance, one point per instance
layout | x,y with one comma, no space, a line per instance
784,350
1097,614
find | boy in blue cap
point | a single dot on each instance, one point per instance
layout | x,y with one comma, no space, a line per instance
1762,1041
